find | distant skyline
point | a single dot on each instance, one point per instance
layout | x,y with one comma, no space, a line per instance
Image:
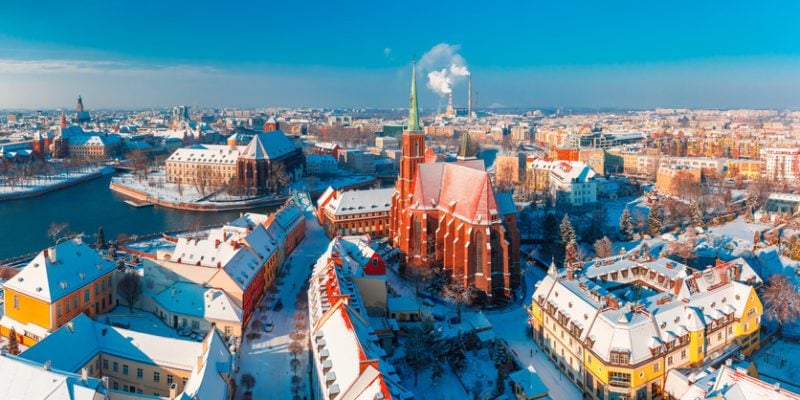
582,54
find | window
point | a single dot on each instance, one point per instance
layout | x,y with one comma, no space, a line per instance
75,301
86,295
16,302
139,373
66,302
169,379
228,330
156,377
619,357
58,310
683,354
96,289
619,379
195,325
103,285
105,364
656,366
125,369
115,367
669,360
115,385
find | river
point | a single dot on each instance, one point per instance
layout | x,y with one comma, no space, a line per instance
84,207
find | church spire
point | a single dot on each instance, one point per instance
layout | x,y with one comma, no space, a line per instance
552,270
413,109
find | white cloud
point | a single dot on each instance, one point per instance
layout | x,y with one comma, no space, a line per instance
387,52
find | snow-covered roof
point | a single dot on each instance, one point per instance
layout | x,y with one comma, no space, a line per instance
73,345
726,383
361,201
268,146
24,379
60,270
572,171
349,360
207,154
679,300
529,382
187,298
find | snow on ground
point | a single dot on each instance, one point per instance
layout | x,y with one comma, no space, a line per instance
512,326
318,185
779,361
447,387
738,229
614,208
37,183
156,186
267,357
152,246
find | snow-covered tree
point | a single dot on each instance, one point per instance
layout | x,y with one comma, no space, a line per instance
457,354
781,300
626,226
697,216
603,247
567,232
655,223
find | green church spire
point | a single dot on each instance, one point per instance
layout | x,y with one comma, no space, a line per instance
413,109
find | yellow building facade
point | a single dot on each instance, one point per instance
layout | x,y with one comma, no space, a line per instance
613,347
60,283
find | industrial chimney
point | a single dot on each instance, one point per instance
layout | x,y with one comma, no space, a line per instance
469,97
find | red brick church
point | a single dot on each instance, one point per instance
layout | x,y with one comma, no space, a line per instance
448,215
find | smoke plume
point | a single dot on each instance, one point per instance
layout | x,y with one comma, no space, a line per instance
445,68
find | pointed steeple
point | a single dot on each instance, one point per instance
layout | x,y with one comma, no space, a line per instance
413,109
466,150
552,270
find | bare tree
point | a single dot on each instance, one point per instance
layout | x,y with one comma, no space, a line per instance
459,295
130,288
13,343
57,230
278,179
781,300
681,249
248,381
602,247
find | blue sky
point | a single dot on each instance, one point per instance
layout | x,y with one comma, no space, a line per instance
315,53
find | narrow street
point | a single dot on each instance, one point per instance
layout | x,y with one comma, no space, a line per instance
512,325
267,357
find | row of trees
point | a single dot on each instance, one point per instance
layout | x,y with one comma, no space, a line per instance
42,172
